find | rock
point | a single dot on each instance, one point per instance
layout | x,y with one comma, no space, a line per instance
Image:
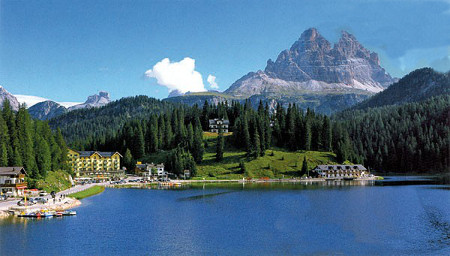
5,95
46,110
312,65
93,101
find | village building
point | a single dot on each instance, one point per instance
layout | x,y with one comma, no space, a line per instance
150,170
97,164
341,171
12,181
216,124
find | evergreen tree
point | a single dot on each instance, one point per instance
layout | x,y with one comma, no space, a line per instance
219,146
197,147
256,145
128,161
304,166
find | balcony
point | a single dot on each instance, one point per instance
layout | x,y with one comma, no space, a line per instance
14,185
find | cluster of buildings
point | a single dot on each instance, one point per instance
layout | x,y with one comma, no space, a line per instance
341,171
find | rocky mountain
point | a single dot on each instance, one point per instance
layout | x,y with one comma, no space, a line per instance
419,85
5,95
94,101
312,65
46,110
313,74
50,109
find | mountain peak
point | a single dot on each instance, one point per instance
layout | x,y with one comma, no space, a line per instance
96,100
312,64
310,34
5,95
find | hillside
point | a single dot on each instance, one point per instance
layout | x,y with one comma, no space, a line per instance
276,163
85,124
418,85
413,137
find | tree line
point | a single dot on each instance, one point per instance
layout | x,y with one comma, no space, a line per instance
30,143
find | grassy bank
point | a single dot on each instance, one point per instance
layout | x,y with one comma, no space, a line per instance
88,192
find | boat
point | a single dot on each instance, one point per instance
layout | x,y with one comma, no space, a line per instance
69,213
349,178
330,179
59,214
28,215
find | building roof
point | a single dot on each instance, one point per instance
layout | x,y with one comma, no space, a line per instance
103,154
341,167
15,170
224,121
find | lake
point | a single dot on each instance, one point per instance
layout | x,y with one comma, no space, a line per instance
397,216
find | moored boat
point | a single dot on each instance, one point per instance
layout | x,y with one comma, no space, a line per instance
69,213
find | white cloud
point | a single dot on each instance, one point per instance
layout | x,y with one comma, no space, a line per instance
212,82
31,100
179,76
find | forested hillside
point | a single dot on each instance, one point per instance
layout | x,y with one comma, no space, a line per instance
99,123
418,85
178,133
30,143
413,137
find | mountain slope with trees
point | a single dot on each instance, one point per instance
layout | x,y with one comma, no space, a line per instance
99,123
414,137
418,85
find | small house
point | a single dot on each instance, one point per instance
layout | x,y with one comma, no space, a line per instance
12,181
217,124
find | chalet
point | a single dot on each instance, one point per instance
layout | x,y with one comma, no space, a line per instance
149,170
216,124
341,171
12,181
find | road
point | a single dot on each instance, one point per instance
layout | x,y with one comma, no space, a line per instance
6,205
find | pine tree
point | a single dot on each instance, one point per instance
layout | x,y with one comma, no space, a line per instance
128,161
44,157
256,145
3,154
219,146
326,134
197,147
305,166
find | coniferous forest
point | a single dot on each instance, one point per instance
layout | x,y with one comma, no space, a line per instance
414,137
179,131
30,143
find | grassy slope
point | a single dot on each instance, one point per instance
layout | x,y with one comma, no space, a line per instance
281,163
88,192
55,181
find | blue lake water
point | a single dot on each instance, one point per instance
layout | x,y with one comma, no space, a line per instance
382,218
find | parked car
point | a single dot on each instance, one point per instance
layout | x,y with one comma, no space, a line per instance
2,197
22,202
43,193
40,200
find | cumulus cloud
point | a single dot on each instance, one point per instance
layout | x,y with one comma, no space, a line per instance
179,76
212,82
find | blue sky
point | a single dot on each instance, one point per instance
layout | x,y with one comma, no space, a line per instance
67,50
